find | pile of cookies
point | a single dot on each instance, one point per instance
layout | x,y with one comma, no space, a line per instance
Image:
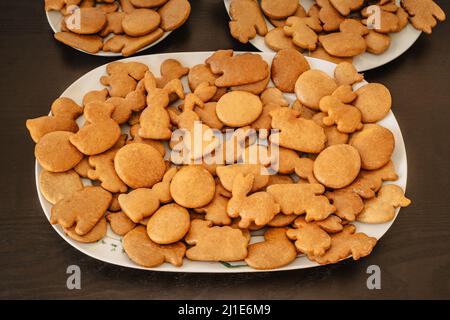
334,30
124,26
332,157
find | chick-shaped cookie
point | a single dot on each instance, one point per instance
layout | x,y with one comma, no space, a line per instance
100,131
274,252
246,20
259,207
216,210
312,238
290,162
302,198
346,6
122,77
303,31
227,174
346,117
170,69
382,208
83,209
145,252
345,244
348,204
369,182
297,133
143,202
155,120
215,243
102,168
64,113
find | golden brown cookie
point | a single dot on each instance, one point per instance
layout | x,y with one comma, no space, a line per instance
275,252
334,136
312,86
381,209
374,101
145,252
296,133
279,9
130,45
346,117
86,21
277,40
337,166
205,239
346,6
139,165
228,173
303,31
302,199
348,204
147,3
174,14
345,73
55,153
238,108
120,223
377,43
140,22
57,186
343,44
113,24
168,224
246,20
287,66
88,43
95,234
320,53
216,210
345,244
192,187
375,144
330,17
83,209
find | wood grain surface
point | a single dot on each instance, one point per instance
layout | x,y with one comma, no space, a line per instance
414,256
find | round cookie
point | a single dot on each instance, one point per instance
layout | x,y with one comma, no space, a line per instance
140,22
55,153
238,108
279,9
139,165
375,145
277,40
174,13
312,86
192,187
287,66
374,101
91,20
169,224
57,186
337,166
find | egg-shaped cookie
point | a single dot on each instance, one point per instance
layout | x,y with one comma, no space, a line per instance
139,165
140,22
55,153
192,187
238,108
312,86
375,144
168,224
86,21
337,166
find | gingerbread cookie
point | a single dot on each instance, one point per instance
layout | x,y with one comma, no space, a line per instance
346,117
313,85
55,153
88,43
275,252
287,66
58,186
238,108
377,43
205,239
174,14
303,31
89,21
345,73
128,46
330,17
120,223
337,166
374,101
246,20
348,204
381,209
140,22
343,44
346,6
277,40
279,9
145,252
168,224
95,234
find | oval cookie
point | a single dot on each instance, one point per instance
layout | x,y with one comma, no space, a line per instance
139,22
312,86
168,224
287,66
238,108
139,165
374,101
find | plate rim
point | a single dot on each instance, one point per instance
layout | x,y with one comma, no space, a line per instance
168,267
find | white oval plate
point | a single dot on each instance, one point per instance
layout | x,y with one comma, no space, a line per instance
400,43
110,250
54,20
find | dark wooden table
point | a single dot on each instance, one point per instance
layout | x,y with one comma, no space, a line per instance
414,256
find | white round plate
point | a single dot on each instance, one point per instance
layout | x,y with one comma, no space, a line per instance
110,249
54,20
400,43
